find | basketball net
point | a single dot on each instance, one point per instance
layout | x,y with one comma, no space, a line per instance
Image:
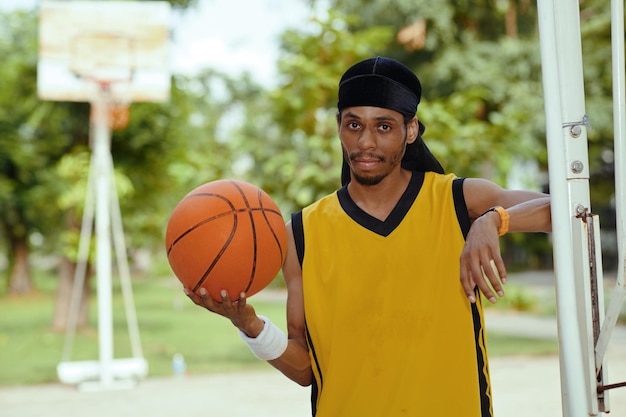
119,114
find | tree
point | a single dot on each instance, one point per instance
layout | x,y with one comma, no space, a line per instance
480,68
33,136
291,148
45,157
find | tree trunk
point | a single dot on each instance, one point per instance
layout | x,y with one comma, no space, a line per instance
510,20
20,281
65,292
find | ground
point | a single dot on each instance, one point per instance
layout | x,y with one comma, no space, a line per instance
522,386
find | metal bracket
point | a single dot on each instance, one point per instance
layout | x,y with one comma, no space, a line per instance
574,127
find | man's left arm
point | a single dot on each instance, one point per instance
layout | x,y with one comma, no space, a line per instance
481,261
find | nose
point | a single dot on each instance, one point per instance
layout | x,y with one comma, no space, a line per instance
367,140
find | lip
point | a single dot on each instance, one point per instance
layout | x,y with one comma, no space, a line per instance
365,163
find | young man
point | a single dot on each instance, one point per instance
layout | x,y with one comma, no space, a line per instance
378,322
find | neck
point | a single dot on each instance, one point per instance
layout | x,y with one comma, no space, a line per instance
380,199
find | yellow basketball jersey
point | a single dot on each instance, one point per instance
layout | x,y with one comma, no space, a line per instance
390,331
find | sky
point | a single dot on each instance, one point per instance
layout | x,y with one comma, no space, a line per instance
229,35
235,35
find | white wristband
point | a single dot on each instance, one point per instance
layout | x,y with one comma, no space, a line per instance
269,344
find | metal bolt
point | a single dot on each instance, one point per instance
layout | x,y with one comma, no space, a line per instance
580,209
575,131
577,167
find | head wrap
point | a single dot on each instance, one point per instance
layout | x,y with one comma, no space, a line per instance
383,82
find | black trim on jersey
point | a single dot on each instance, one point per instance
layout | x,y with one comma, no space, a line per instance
383,228
314,387
483,384
298,234
479,333
459,205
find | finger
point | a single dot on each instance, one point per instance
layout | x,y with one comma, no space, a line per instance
500,269
468,283
493,275
241,302
481,282
227,304
193,296
207,301
472,284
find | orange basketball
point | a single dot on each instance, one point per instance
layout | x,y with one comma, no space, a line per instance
226,234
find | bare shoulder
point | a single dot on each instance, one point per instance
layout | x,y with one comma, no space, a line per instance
291,266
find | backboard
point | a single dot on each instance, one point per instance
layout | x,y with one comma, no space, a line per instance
123,44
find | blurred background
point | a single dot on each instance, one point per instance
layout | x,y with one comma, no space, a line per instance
253,97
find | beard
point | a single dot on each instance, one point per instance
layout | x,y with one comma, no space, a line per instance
370,180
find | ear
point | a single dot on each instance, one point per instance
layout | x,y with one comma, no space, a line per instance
412,130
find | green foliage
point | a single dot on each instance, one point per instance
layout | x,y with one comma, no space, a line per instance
166,149
291,149
491,114
34,135
447,21
482,105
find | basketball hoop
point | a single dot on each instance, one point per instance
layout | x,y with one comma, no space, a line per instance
110,54
122,42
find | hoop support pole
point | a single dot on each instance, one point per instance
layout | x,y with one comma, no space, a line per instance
566,123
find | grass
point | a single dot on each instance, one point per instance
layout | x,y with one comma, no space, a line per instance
169,324
507,345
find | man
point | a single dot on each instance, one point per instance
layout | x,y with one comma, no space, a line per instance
378,322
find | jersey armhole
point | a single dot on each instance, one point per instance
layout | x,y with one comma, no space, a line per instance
460,207
298,234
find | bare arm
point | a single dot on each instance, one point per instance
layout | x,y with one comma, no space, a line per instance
529,212
294,362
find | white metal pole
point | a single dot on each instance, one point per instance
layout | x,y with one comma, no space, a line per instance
102,149
124,271
567,157
619,129
81,263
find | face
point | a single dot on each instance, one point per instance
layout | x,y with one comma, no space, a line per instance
373,140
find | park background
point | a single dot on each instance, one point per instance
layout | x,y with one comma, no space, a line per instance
267,118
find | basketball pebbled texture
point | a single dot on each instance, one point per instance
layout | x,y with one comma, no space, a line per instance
226,234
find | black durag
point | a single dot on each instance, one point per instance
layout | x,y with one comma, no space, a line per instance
383,82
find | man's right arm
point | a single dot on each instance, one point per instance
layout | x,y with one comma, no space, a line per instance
295,362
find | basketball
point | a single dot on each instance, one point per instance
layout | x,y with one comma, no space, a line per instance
226,235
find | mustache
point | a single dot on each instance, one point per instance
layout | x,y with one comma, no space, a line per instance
365,155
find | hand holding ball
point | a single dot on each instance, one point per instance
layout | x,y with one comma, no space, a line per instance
226,235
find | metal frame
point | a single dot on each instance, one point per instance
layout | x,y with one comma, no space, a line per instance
104,53
619,128
584,331
102,208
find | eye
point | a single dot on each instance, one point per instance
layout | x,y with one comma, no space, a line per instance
353,125
385,127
